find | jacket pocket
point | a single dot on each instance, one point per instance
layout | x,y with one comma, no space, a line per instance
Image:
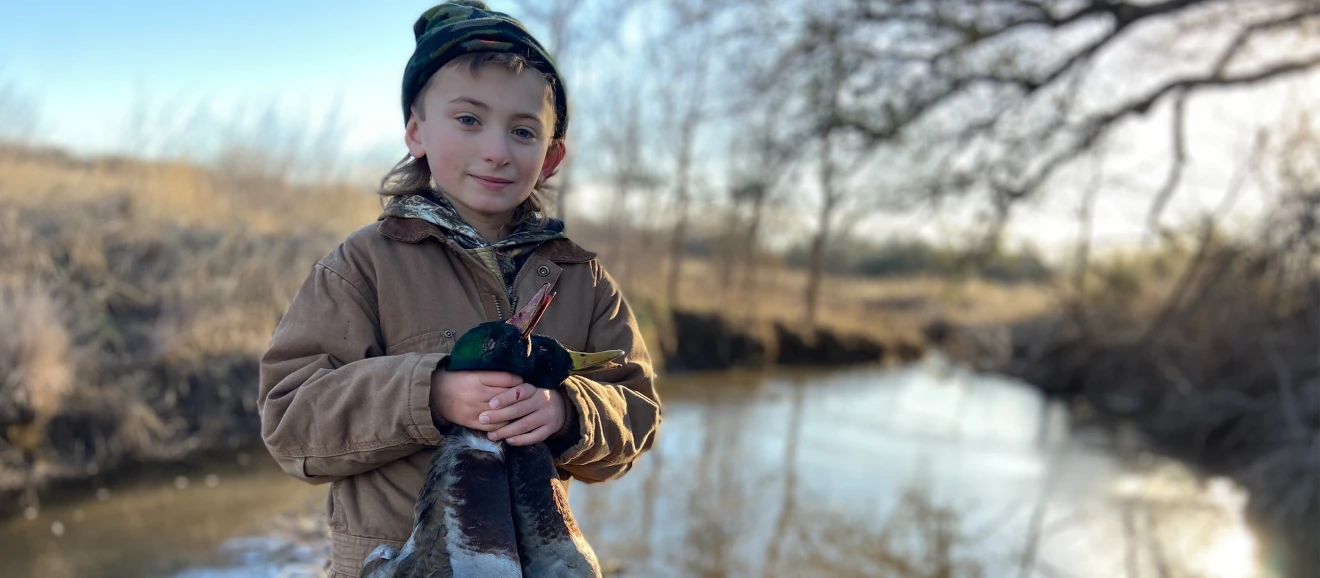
441,341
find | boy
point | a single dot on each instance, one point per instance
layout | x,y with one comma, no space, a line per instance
353,385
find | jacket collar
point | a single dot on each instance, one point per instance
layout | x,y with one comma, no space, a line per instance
416,230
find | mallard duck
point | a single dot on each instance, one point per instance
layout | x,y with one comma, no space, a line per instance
487,508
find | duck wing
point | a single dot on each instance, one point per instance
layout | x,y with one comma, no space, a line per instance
549,542
462,520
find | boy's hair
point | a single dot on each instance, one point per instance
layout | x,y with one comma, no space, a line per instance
413,175
469,31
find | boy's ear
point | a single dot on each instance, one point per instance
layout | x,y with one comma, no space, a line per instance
553,156
413,138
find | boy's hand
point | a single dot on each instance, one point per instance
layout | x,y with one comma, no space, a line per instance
460,396
531,413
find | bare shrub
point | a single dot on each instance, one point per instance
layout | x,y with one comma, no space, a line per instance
35,358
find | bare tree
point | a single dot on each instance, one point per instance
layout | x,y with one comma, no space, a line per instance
758,162
819,83
1017,90
572,25
628,173
625,144
692,21
1000,96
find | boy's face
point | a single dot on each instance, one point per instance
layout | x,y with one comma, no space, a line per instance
486,138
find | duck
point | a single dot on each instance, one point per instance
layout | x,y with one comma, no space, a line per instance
487,508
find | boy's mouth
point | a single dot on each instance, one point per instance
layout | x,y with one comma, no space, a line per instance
492,182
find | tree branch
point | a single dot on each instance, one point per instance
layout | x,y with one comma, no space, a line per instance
1183,287
896,120
1100,125
1171,182
1124,16
1082,257
1244,35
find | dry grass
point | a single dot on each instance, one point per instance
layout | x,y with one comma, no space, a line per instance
35,347
183,194
169,281
888,309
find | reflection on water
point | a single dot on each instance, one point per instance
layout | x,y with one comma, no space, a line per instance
246,518
923,471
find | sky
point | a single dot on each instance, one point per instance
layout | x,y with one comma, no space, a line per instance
87,65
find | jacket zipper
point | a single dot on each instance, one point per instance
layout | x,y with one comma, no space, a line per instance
512,302
499,311
499,282
516,279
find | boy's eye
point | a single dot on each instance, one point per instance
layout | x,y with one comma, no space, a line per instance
466,120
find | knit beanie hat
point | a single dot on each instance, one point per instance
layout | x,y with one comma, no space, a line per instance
461,27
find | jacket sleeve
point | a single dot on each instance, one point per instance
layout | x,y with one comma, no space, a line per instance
331,403
617,412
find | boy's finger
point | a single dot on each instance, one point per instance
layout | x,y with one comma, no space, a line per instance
512,395
515,428
498,378
515,411
537,435
487,427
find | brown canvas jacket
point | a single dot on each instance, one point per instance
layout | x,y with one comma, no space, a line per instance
345,383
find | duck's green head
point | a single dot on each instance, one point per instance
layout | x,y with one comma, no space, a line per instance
492,346
510,346
502,345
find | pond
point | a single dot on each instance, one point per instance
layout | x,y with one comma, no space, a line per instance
919,471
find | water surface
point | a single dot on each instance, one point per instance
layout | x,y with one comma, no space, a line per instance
921,471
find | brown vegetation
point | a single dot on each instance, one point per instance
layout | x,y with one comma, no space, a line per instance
891,310
134,301
35,345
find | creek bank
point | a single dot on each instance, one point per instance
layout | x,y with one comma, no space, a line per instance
711,342
192,415
127,341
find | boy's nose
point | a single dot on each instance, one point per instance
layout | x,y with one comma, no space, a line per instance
495,150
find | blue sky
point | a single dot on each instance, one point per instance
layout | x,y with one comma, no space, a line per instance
85,64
